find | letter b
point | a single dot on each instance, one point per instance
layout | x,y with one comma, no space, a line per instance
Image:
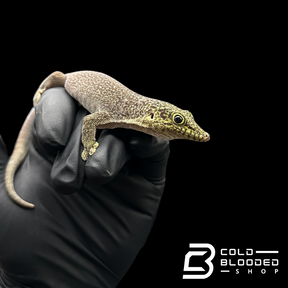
188,268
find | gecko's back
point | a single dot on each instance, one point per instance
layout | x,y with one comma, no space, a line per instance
97,91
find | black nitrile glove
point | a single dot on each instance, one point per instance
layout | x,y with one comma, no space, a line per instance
90,237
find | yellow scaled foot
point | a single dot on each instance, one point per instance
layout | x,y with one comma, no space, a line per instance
93,148
84,155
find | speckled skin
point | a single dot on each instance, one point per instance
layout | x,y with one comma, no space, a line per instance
112,105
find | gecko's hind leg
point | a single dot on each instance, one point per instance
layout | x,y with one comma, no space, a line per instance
56,79
90,122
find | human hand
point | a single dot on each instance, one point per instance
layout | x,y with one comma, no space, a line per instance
91,236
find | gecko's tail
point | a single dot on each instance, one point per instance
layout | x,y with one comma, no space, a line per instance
17,157
56,79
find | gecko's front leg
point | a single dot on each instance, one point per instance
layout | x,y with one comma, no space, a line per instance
90,123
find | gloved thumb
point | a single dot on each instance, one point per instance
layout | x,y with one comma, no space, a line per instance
3,156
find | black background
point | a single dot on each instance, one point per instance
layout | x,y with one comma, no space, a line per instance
222,65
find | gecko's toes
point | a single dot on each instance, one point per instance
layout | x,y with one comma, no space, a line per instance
93,148
36,98
84,155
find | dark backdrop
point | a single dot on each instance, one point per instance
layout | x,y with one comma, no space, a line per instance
226,72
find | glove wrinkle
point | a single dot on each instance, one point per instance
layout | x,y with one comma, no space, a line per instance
68,171
55,114
110,156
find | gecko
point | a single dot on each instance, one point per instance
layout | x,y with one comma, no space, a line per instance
112,105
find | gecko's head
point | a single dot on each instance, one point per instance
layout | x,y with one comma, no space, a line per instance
171,122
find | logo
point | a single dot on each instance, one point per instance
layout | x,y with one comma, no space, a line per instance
196,253
249,261
236,261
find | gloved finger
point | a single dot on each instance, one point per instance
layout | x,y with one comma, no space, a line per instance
112,153
55,114
3,156
68,171
152,156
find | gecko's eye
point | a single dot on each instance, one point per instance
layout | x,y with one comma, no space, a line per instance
178,118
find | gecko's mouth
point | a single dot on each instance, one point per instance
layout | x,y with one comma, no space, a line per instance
196,134
199,137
